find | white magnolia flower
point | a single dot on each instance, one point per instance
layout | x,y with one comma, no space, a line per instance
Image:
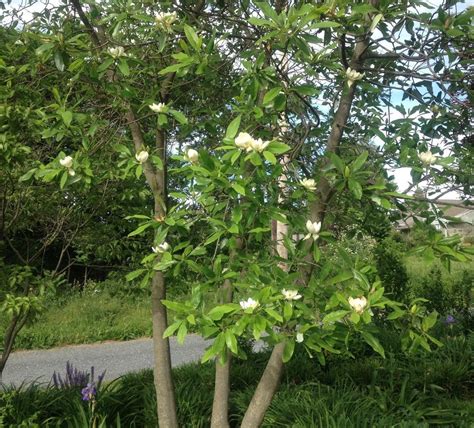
308,184
158,108
291,294
427,158
66,162
258,145
243,140
161,248
248,304
358,304
352,76
191,155
71,172
116,52
165,20
299,337
142,156
313,229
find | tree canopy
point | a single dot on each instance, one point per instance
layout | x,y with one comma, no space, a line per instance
243,137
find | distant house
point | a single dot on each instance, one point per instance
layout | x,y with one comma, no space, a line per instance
457,219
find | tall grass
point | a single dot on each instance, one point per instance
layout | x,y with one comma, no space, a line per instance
88,318
418,267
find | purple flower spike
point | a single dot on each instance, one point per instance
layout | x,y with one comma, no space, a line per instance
89,392
450,320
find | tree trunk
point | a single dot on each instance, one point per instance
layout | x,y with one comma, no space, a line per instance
220,404
164,386
266,389
16,324
163,376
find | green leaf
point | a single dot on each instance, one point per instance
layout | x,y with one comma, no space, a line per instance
106,64
271,95
274,314
234,228
139,171
182,331
123,67
287,311
180,117
259,325
192,37
377,295
361,159
58,61
267,10
135,274
67,117
214,237
208,355
171,329
235,156
63,180
238,188
341,277
337,162
28,175
398,195
218,312
306,89
174,67
288,350
175,306
233,127
260,22
278,148
270,157
429,321
375,22
396,314
44,48
325,24
373,342
140,229
355,188
231,341
335,316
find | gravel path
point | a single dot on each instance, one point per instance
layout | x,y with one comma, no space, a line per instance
117,358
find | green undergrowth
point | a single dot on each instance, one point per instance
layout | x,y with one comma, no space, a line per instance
424,390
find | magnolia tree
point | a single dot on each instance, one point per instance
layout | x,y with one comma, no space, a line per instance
250,124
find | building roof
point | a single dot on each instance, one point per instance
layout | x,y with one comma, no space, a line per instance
450,208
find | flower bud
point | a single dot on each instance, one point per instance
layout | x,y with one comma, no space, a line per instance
66,162
358,304
142,156
191,155
158,108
